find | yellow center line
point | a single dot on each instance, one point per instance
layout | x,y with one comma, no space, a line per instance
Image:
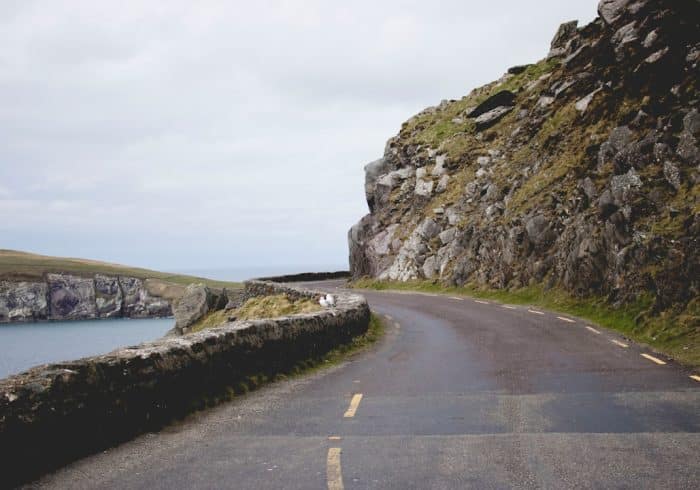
535,312
333,472
508,307
695,377
354,403
481,302
621,344
653,359
593,330
564,319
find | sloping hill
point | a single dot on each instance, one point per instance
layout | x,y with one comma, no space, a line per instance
16,265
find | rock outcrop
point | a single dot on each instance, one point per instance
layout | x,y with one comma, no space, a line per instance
197,301
71,297
580,172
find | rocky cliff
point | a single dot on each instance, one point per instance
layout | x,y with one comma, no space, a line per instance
580,172
72,297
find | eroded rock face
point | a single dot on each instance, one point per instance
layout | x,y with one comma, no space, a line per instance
108,296
23,301
70,297
579,172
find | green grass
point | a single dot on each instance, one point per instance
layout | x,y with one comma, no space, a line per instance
15,265
676,334
257,308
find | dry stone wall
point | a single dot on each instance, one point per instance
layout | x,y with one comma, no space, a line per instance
55,413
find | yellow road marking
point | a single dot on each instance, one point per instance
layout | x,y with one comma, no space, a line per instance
592,329
481,302
455,297
535,312
334,438
621,344
354,403
333,472
564,319
695,377
508,307
653,359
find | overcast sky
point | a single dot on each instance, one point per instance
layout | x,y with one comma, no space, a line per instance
187,135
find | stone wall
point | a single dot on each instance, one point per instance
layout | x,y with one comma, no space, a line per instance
55,413
70,297
308,276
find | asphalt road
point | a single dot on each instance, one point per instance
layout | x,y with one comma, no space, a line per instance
459,394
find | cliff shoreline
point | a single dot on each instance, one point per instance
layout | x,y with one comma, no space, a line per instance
62,297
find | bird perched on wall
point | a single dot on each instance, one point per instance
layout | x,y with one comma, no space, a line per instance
327,301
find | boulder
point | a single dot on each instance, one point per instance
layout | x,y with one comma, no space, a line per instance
504,98
424,188
439,168
517,70
620,137
582,104
448,235
622,185
612,10
606,204
194,305
539,231
691,123
428,229
688,149
443,183
373,171
430,267
566,32
672,174
589,188
490,118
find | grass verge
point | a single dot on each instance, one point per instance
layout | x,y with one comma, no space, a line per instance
676,334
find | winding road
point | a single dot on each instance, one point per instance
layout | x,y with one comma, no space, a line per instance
459,394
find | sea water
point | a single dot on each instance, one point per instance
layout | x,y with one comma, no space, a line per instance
24,345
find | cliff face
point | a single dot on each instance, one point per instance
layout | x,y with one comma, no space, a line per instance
580,172
69,297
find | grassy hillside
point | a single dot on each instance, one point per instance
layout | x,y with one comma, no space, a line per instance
15,265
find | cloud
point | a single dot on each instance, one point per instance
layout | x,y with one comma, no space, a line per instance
182,135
